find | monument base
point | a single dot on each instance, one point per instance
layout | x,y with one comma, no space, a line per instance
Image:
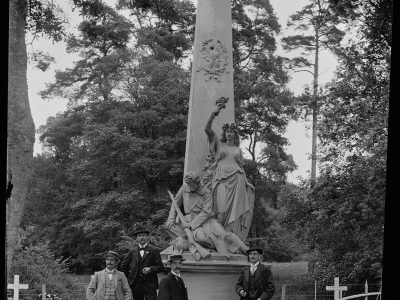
209,286
216,276
215,263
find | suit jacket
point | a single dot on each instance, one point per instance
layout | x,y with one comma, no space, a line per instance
96,287
132,262
263,280
171,289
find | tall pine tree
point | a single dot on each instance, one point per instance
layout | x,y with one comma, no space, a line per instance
319,31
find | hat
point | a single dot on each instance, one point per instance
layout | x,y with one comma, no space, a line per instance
175,257
113,255
255,248
141,230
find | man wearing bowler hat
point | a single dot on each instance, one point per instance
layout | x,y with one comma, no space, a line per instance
109,284
255,281
141,265
172,286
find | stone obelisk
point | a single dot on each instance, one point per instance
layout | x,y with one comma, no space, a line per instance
212,77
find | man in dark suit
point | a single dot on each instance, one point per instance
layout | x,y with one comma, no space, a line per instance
141,265
109,284
172,286
255,281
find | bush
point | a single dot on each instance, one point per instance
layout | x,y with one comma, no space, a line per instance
37,265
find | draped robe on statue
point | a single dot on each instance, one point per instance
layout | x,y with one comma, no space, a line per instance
233,195
197,208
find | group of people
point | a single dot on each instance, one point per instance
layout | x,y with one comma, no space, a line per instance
138,278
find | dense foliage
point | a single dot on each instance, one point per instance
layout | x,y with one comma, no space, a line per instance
342,218
37,265
264,107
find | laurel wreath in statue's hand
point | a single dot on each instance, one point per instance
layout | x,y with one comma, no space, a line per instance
221,101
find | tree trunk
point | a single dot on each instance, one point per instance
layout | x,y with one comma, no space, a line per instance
21,129
315,114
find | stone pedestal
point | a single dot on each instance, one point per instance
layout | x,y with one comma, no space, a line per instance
216,277
213,278
210,286
217,263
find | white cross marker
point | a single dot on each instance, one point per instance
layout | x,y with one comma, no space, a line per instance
337,289
16,287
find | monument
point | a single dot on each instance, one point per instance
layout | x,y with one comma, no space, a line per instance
211,214
217,198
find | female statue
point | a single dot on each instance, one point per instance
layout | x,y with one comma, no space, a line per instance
232,193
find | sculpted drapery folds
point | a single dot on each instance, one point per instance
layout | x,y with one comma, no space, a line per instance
233,195
197,205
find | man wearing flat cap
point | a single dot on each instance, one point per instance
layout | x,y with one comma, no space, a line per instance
109,284
255,281
172,286
141,265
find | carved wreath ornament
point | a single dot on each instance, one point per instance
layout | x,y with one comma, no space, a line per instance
214,59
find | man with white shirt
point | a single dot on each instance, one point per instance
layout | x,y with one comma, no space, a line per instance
255,281
172,286
141,265
109,284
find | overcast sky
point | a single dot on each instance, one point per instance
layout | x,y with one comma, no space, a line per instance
297,134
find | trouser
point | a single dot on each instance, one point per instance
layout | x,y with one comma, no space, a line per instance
252,295
143,292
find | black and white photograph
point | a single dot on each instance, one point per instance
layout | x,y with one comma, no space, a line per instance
198,149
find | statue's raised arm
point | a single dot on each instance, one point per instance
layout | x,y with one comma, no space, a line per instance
208,128
212,138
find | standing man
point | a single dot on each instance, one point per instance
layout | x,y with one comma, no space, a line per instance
255,281
172,286
109,284
141,265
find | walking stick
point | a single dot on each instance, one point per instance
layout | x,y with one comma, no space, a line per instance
195,248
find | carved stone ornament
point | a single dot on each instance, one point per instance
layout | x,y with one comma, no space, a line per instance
214,59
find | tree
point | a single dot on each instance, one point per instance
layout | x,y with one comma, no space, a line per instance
320,31
137,139
263,103
375,18
165,28
102,44
343,218
355,112
346,229
23,15
118,148
141,86
263,107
